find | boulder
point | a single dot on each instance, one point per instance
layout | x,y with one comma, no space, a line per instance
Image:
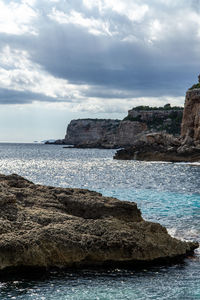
44,226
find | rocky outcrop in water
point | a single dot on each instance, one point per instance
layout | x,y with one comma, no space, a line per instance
163,147
108,133
42,226
159,147
92,133
97,133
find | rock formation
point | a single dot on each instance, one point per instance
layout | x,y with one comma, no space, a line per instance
165,118
190,127
159,147
162,147
44,226
102,133
92,133
107,133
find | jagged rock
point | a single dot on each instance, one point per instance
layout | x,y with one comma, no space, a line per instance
165,118
43,226
190,127
162,147
110,134
159,147
97,133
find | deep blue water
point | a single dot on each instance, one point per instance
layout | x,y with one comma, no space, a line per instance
166,193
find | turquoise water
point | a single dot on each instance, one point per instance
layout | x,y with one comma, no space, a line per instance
165,193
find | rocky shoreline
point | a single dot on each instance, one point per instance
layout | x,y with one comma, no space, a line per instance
113,134
45,227
165,147
160,147
146,133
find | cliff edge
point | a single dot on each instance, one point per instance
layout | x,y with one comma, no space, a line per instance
164,147
190,127
110,134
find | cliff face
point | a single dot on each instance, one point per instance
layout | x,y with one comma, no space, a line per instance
162,147
102,133
190,127
168,120
128,132
90,132
115,133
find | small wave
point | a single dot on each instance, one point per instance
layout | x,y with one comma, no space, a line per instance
186,235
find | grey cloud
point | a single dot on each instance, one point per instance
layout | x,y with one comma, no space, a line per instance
19,97
81,58
107,64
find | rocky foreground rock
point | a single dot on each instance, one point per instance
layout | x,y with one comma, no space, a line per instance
44,226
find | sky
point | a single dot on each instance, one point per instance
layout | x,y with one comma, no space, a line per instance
68,59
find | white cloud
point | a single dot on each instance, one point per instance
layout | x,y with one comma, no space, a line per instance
122,106
18,72
16,18
133,11
94,26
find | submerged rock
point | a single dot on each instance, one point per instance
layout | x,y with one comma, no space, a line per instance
42,226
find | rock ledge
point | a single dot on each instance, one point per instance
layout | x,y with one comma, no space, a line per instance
42,226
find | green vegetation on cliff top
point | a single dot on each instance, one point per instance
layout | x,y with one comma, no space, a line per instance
165,107
171,123
195,86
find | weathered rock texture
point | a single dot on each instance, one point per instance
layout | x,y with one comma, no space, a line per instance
91,132
162,147
107,133
190,127
159,119
159,147
43,226
97,133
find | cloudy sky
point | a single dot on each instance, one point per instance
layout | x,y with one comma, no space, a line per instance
66,59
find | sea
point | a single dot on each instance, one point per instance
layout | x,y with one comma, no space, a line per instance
168,193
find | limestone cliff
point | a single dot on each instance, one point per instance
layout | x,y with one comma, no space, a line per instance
190,127
162,147
107,133
91,132
165,118
43,226
103,133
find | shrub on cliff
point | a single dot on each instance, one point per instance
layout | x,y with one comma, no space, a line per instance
195,86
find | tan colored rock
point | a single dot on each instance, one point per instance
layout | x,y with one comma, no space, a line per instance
190,127
91,131
55,227
129,132
97,133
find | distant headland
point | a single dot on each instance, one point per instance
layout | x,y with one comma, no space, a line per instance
111,134
168,133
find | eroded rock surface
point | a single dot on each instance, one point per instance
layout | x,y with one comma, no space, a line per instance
91,133
43,226
111,134
160,147
190,127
